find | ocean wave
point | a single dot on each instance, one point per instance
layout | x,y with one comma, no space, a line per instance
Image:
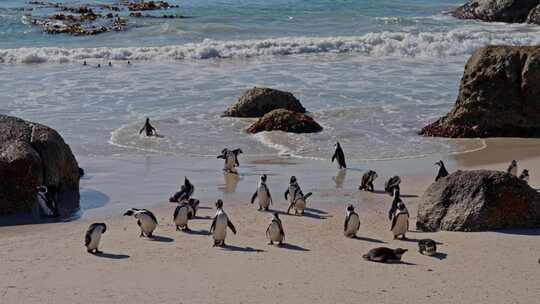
394,44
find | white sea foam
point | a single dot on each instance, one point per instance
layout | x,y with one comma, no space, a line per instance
399,44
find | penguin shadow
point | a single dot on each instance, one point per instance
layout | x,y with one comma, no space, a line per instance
292,247
439,255
241,249
161,239
306,214
368,239
206,217
401,195
197,232
316,210
112,256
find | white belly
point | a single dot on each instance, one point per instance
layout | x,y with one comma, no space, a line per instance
274,233
230,162
147,224
353,225
300,204
264,200
220,230
402,225
43,206
182,218
95,239
513,171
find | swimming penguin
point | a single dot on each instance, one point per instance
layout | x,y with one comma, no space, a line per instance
427,247
263,193
400,221
110,64
275,232
145,219
384,255
367,181
181,216
231,159
524,175
148,128
219,225
84,63
340,156
186,191
392,184
129,62
442,170
513,168
93,237
352,222
99,65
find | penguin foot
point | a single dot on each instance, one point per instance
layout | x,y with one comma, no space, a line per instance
271,243
266,209
90,251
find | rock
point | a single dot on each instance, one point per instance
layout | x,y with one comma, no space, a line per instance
258,101
477,201
534,15
32,155
285,120
498,96
511,11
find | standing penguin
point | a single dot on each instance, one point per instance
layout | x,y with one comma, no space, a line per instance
442,170
299,204
45,201
367,181
186,191
93,237
275,232
395,201
513,168
181,216
400,221
293,191
231,159
145,219
392,184
219,225
352,222
263,193
524,175
338,153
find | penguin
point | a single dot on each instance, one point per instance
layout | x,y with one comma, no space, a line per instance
84,63
231,159
110,64
221,221
186,191
43,201
396,200
352,223
193,205
263,193
400,221
442,170
338,153
524,176
81,172
148,128
293,190
181,216
275,232
299,204
99,65
384,255
129,62
367,181
427,247
392,184
145,219
513,168
93,237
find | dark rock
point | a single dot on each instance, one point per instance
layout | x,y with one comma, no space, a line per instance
534,15
511,11
258,101
499,96
32,155
477,201
285,120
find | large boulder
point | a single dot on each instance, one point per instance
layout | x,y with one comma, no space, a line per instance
534,15
499,96
496,10
32,155
285,120
258,101
477,201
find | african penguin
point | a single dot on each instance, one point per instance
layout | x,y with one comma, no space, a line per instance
338,153
231,159
392,184
145,219
263,193
219,225
352,222
193,204
427,247
442,170
44,201
186,191
299,203
275,232
93,237
513,168
367,181
524,175
181,216
293,191
400,221
384,255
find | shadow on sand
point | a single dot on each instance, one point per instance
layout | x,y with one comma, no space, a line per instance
112,256
401,195
162,239
241,249
197,232
367,239
292,247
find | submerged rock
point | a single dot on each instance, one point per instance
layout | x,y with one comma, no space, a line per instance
511,11
285,120
499,96
256,102
477,201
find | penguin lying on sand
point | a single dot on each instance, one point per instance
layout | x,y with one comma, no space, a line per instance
231,159
392,184
145,219
186,191
338,153
352,222
93,237
263,193
442,170
219,225
275,232
367,181
427,247
384,255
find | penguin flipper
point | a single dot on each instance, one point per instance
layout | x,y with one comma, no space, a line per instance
334,156
176,211
286,194
253,197
231,226
394,221
87,238
346,223
307,195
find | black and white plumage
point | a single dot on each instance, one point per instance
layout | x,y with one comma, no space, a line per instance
524,175
427,247
186,191
218,229
146,220
92,237
400,221
293,191
352,222
181,216
231,159
275,232
513,168
193,205
392,184
367,181
263,194
442,170
299,204
340,156
384,255
44,201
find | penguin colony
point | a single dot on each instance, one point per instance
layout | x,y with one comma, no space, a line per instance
187,207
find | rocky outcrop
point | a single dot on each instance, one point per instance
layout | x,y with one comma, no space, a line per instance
534,15
499,96
256,102
477,201
285,120
32,155
511,11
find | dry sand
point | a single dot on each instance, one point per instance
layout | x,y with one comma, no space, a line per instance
48,263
